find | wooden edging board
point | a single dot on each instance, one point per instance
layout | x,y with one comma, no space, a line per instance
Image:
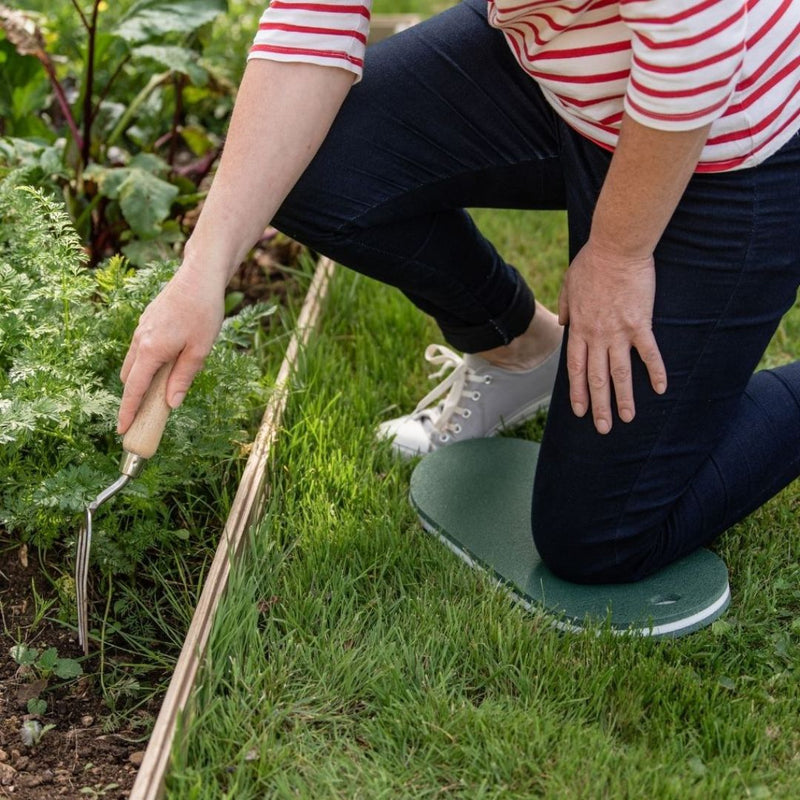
245,510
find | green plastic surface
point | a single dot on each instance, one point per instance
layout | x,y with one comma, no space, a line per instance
476,496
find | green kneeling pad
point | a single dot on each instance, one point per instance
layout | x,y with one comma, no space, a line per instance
476,497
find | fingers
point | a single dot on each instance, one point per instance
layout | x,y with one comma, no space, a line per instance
593,371
576,369
139,377
189,363
651,355
597,376
589,382
619,359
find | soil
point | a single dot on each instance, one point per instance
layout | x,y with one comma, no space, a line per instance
76,756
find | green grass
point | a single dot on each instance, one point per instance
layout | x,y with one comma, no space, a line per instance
355,657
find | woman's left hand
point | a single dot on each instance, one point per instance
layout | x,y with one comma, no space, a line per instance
608,302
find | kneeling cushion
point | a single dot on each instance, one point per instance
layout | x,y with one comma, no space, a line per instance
476,497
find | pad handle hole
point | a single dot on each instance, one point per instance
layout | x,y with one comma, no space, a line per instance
665,599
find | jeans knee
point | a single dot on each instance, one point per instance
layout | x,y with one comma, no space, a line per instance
304,218
578,548
561,555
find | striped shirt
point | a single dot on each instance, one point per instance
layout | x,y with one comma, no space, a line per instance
670,64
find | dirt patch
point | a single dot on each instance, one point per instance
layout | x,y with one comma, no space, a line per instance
75,757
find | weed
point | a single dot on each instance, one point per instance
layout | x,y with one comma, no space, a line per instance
46,664
32,732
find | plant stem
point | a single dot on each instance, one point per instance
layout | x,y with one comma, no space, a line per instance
81,14
107,88
61,98
178,82
133,107
64,437
103,639
88,116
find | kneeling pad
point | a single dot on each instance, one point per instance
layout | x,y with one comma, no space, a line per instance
476,497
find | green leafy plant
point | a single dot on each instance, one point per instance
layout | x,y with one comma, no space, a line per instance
113,106
39,668
63,333
46,664
32,732
37,706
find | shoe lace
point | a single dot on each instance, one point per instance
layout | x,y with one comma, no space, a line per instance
454,384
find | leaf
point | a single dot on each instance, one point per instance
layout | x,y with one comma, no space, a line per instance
145,201
22,32
178,59
232,300
197,139
23,654
721,627
48,660
151,19
67,668
149,163
28,691
37,706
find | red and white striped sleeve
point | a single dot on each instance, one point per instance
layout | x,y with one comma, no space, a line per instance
686,58
331,33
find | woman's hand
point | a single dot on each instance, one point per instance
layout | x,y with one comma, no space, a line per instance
180,325
608,302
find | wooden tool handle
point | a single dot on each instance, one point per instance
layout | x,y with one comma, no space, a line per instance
144,434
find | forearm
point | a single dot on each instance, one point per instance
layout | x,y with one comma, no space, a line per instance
283,112
647,177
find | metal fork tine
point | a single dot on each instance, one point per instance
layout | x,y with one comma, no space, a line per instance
83,551
81,580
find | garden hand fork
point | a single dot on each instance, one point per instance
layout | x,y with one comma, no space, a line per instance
139,443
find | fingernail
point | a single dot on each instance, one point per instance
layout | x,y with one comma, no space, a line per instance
661,388
626,415
579,409
177,399
602,426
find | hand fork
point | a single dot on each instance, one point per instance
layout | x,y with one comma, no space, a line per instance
139,443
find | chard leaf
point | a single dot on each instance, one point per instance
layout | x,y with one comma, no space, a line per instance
145,201
178,59
151,19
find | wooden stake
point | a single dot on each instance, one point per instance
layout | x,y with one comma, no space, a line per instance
246,509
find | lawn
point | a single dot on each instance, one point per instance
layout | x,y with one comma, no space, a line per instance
355,657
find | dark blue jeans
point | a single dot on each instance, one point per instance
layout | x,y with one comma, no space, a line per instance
445,119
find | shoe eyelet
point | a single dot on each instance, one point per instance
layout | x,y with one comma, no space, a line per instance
466,413
476,396
444,437
487,380
456,428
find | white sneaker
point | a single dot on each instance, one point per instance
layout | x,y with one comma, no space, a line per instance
481,400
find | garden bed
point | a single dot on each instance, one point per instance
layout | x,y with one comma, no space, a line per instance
85,747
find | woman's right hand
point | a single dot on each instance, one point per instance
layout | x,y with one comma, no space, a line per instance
180,325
